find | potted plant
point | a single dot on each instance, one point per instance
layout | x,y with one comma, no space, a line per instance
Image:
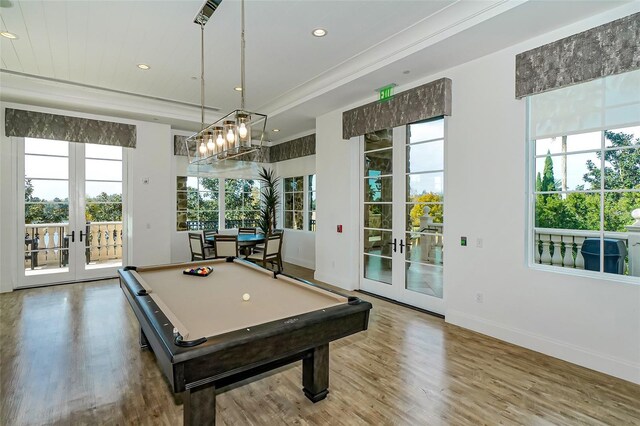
270,198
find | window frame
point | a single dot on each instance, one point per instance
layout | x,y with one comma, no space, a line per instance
223,201
198,191
284,209
601,234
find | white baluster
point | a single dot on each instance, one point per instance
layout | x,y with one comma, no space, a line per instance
557,253
536,248
568,251
545,257
579,258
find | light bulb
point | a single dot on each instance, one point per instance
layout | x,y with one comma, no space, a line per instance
203,148
242,130
220,139
230,136
210,144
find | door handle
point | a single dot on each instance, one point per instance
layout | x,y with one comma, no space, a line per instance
73,236
393,244
81,235
401,246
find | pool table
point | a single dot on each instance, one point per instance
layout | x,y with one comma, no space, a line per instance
205,336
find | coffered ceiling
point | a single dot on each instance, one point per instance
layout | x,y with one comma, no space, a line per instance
83,55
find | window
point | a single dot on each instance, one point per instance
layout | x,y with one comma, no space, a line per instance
197,203
585,175
294,202
312,202
242,203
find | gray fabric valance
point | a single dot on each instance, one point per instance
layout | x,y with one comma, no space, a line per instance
296,148
608,49
420,103
31,124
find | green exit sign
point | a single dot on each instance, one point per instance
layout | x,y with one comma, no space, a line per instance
386,92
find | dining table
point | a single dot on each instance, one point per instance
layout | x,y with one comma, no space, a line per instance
245,241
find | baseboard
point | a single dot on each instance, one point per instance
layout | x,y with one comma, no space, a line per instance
574,354
333,280
305,263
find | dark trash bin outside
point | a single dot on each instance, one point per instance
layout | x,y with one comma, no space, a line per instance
614,253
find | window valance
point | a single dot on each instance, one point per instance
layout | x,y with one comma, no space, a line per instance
31,124
420,103
602,51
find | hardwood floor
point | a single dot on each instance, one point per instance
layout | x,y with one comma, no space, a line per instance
70,355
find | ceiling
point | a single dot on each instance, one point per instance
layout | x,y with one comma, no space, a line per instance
83,55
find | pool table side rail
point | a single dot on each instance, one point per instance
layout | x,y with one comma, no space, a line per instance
150,324
270,350
233,352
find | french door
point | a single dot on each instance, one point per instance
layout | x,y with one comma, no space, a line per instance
70,211
402,209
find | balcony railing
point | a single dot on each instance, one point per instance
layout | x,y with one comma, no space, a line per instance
563,247
47,244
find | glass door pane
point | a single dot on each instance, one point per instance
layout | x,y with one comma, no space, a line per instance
424,200
102,234
46,209
378,207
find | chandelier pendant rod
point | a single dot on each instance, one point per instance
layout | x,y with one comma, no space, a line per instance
202,75
242,66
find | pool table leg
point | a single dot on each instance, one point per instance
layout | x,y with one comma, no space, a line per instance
315,374
144,343
200,405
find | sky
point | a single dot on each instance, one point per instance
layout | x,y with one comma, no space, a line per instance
47,163
576,163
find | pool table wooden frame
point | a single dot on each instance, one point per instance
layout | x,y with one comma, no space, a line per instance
221,360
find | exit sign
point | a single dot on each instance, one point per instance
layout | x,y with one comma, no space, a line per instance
386,92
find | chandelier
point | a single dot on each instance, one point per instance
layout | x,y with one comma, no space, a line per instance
231,136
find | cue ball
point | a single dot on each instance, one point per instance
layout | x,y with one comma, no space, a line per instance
246,297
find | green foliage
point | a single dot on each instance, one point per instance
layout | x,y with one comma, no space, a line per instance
581,210
270,200
435,210
242,200
102,208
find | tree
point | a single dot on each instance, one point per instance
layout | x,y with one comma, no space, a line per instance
624,169
104,208
417,211
270,200
621,171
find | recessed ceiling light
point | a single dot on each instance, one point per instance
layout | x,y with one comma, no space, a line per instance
7,34
143,66
238,89
276,130
319,32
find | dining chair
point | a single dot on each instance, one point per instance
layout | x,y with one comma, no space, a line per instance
198,249
260,247
208,234
272,252
246,230
226,245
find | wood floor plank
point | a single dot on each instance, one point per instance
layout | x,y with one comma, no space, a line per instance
69,355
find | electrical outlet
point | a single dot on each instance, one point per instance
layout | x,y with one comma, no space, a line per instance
479,298
479,242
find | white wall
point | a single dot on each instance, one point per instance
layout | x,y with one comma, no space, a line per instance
149,206
337,192
587,321
299,247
